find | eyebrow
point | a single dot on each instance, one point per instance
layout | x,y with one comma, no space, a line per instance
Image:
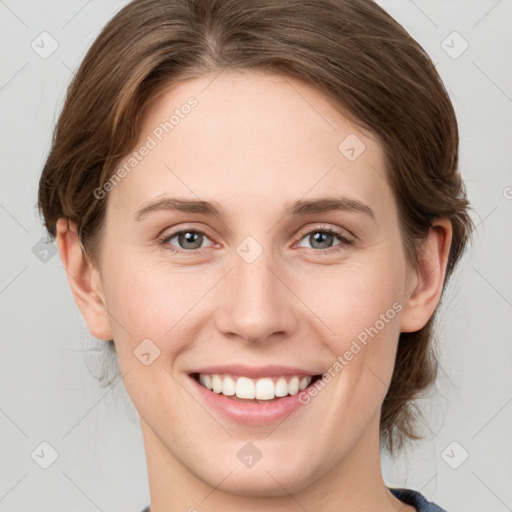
297,208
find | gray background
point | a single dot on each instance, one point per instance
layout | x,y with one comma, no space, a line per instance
47,392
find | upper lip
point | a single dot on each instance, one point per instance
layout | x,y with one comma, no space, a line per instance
253,371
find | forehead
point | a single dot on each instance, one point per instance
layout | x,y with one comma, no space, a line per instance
240,138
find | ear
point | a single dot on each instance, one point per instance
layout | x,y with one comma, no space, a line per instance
426,285
84,280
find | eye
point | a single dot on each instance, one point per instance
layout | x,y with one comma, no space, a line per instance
323,238
190,240
186,240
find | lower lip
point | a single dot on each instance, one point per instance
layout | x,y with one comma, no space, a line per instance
246,413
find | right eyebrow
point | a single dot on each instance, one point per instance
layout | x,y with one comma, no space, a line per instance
181,205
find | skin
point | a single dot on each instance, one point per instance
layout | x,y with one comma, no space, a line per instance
254,143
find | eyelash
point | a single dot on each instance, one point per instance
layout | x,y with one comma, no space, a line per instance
344,241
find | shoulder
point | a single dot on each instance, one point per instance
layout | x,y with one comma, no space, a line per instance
416,499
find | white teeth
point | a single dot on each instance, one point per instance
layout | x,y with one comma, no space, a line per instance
304,383
245,388
228,386
293,386
281,387
216,384
266,388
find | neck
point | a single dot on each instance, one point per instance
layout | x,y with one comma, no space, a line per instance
354,483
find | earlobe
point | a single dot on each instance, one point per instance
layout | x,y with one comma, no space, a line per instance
427,285
84,280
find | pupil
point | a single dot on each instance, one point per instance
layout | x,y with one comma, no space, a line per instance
322,238
190,238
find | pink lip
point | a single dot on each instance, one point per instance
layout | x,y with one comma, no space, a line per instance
254,371
247,413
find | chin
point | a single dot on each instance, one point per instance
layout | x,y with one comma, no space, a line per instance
276,476
250,484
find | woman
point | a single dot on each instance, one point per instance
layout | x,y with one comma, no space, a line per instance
257,205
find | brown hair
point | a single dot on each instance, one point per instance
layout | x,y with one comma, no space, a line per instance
350,50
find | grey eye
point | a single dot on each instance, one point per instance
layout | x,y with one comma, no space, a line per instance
188,239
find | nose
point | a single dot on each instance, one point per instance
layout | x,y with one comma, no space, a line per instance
255,301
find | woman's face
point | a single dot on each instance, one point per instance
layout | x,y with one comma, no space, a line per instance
257,289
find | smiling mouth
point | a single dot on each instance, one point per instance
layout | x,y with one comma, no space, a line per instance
256,391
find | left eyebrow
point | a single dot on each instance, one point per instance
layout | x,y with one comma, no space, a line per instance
297,208
343,203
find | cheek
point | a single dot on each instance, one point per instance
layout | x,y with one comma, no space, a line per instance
154,317
352,300
152,302
361,305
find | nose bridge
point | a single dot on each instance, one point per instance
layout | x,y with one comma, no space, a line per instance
257,305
